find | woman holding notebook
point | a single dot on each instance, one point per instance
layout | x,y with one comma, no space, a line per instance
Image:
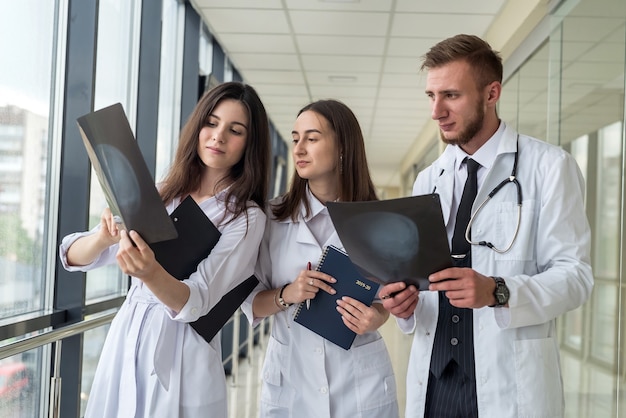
153,364
304,374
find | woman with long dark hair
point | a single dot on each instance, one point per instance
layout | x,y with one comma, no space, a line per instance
305,375
153,363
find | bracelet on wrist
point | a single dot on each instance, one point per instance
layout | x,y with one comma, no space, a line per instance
283,305
276,299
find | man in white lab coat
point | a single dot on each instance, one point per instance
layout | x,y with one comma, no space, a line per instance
512,295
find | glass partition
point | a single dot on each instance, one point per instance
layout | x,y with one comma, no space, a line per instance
25,96
586,111
116,72
570,92
92,347
20,383
525,96
170,84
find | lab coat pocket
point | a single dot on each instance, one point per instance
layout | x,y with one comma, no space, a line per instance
506,227
376,385
274,391
538,376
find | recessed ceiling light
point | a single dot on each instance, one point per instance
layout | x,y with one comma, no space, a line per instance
340,1
342,79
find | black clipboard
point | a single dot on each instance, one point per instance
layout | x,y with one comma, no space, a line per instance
394,240
210,324
123,174
180,256
196,238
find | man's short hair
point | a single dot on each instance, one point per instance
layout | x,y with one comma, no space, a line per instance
484,61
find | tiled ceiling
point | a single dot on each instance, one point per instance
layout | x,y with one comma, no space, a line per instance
364,52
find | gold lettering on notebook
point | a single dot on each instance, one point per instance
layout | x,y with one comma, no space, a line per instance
366,286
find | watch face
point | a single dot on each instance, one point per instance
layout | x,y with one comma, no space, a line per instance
502,293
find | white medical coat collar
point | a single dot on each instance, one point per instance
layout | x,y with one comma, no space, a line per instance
447,163
304,234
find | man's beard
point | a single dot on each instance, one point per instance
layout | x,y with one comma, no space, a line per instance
473,127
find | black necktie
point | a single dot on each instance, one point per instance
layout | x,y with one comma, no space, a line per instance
454,336
459,243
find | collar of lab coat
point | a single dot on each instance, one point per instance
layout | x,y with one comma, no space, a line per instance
304,234
502,166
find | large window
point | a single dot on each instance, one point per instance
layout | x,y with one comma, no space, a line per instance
25,95
586,116
116,81
116,71
525,96
26,91
92,347
170,84
570,92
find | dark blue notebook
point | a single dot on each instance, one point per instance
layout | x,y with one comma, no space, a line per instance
322,316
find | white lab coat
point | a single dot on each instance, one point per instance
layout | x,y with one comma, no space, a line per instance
547,271
153,364
303,374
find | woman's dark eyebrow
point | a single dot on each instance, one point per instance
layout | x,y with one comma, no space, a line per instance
211,115
308,131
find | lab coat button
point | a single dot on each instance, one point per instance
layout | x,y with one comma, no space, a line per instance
194,311
454,341
455,319
324,390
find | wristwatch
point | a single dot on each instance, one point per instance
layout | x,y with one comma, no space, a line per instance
501,293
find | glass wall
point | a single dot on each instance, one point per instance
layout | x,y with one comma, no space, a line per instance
170,83
26,91
115,82
570,92
116,73
25,95
592,38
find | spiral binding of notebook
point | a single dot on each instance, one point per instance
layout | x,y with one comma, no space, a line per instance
298,309
319,263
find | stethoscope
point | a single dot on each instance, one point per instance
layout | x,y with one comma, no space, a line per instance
511,179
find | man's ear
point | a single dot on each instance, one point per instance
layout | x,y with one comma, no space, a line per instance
494,89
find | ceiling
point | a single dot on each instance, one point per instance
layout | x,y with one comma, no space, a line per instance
365,53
